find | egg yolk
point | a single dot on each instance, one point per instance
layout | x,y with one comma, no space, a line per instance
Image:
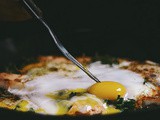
107,90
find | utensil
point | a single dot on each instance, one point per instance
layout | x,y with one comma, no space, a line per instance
35,11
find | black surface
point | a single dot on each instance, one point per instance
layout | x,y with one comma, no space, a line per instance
129,29
139,115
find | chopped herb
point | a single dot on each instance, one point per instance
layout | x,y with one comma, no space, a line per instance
106,59
69,107
31,110
65,94
145,80
61,92
72,94
122,104
53,69
17,107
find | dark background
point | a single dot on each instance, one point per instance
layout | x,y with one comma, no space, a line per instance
129,29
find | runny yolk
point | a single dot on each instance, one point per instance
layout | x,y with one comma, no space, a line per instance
107,90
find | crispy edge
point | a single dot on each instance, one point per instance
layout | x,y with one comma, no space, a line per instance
43,60
148,101
8,80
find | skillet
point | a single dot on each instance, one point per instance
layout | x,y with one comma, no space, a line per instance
120,29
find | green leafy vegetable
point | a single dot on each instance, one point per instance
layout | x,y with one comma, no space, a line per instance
122,104
106,59
66,94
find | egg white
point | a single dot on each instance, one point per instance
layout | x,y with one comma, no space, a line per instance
37,89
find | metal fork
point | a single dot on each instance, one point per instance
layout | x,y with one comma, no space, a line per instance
35,11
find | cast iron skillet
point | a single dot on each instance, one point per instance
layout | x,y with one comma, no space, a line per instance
138,115
128,30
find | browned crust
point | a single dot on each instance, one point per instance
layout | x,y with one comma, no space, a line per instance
14,80
59,59
10,80
26,68
56,59
75,110
148,101
42,60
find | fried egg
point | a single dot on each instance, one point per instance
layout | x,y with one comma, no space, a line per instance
115,81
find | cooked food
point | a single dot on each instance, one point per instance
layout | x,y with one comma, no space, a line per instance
55,86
